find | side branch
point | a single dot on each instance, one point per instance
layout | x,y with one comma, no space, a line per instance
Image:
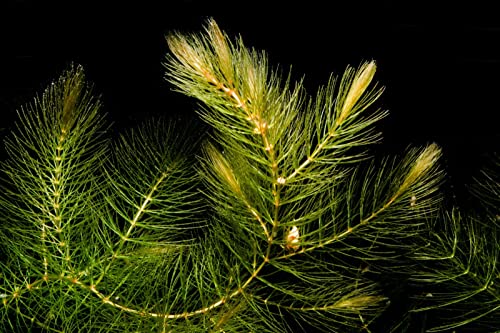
353,304
347,232
133,223
357,88
422,166
310,158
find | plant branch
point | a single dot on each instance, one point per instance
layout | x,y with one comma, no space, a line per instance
133,223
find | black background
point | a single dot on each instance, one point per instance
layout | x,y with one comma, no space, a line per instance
440,64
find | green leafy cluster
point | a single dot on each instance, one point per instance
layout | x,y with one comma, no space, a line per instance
278,221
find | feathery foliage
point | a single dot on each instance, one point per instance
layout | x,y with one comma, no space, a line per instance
279,221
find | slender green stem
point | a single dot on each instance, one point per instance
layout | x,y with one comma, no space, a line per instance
133,224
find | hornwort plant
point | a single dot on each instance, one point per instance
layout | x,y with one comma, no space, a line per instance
278,221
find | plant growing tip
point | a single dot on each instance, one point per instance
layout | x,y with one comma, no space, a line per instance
221,166
424,162
361,81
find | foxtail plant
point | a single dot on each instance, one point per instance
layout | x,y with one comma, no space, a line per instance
277,222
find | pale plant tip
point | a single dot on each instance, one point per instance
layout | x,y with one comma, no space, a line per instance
187,55
221,49
359,302
424,162
361,81
222,168
428,158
